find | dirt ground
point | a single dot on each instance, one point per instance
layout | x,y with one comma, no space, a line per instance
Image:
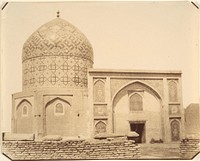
160,151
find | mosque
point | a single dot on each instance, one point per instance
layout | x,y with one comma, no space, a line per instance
64,95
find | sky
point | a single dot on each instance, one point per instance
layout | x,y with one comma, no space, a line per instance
124,35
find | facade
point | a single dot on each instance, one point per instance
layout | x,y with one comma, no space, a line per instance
148,102
63,95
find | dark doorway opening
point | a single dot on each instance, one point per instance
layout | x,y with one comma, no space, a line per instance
139,127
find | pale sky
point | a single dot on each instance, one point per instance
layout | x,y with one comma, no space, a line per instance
124,35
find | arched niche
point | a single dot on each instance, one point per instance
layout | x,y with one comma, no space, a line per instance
175,130
24,117
136,102
149,110
57,117
100,127
135,85
24,101
57,99
99,91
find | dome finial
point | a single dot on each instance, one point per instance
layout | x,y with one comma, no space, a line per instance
58,14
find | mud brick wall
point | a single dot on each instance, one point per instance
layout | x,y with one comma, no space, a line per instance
189,148
32,150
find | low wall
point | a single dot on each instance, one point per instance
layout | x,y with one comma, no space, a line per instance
189,147
74,149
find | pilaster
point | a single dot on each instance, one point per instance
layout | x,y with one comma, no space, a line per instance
39,116
109,105
13,121
166,112
182,111
90,104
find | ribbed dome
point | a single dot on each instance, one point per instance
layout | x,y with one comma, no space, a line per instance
56,55
55,35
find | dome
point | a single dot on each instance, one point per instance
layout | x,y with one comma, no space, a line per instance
55,35
56,55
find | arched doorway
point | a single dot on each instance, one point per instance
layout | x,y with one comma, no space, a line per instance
138,107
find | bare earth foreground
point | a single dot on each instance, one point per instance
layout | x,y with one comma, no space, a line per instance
160,151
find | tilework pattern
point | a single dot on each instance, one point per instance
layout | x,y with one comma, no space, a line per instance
175,130
100,127
174,109
99,91
100,110
117,83
56,55
100,106
173,95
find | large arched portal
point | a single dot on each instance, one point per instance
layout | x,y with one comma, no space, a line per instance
138,107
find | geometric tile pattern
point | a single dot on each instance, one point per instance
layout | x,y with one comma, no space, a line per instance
99,91
174,109
175,130
117,83
173,94
100,127
55,71
100,110
56,55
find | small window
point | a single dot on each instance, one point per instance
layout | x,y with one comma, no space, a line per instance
25,111
136,103
59,109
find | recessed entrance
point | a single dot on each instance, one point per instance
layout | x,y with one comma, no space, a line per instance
139,127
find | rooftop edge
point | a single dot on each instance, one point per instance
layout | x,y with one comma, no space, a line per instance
134,71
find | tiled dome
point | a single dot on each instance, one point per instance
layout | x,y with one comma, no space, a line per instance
57,37
56,55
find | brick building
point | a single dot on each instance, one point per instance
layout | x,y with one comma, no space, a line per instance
64,95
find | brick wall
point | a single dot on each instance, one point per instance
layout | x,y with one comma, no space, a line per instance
189,147
74,149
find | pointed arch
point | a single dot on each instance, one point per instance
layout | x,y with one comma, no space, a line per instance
173,93
135,86
55,99
24,117
146,85
57,117
102,80
100,127
136,102
175,130
99,91
23,101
